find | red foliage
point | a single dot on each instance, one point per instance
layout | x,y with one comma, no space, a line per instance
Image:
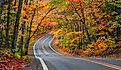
9,63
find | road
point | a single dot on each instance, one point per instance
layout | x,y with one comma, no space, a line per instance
49,59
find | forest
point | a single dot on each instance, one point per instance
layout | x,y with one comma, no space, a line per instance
81,27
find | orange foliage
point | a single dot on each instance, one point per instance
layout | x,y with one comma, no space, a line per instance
102,25
75,1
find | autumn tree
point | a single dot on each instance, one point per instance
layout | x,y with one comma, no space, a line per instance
8,22
15,34
87,24
1,9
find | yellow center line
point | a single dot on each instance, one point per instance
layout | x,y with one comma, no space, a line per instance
101,63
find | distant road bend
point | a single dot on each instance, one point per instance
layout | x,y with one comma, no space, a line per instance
49,59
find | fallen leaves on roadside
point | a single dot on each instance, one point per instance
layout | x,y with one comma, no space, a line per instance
9,63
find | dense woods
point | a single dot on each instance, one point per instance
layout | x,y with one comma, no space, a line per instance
21,24
81,27
87,27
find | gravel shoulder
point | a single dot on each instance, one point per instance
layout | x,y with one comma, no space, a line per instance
33,63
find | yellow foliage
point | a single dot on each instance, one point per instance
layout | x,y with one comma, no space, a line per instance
77,38
2,26
75,32
23,13
88,52
56,32
42,3
102,46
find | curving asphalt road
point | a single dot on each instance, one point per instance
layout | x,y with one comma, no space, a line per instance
49,59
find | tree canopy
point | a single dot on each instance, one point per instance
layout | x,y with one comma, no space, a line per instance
87,27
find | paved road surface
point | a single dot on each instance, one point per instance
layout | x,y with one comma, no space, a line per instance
49,59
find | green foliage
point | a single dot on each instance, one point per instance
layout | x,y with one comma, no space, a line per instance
27,57
17,55
20,23
98,21
56,3
81,23
5,51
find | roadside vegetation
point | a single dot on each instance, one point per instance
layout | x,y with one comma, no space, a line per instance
88,27
21,23
81,27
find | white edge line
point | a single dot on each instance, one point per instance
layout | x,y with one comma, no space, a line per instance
40,59
62,54
52,48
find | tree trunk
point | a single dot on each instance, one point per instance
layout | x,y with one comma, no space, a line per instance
1,29
22,38
83,22
1,37
84,25
41,22
117,32
28,40
27,44
1,6
7,25
15,34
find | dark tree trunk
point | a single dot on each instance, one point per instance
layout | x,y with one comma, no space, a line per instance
1,6
84,25
28,40
117,32
82,35
1,29
23,29
22,38
1,37
27,44
41,22
88,36
7,25
15,34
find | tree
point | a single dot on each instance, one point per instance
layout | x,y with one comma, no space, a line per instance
15,34
8,22
28,40
87,22
1,6
1,29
